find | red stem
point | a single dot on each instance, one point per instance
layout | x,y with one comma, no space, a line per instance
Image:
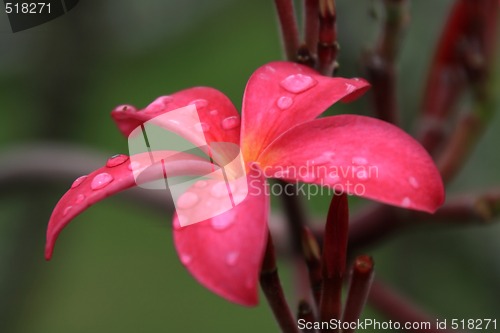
327,43
334,258
271,286
289,30
361,280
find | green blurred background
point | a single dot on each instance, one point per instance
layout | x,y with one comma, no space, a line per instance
115,269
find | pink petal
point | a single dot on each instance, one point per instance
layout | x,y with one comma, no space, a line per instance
116,176
282,95
219,120
361,156
224,253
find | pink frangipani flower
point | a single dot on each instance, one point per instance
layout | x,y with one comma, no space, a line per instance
278,134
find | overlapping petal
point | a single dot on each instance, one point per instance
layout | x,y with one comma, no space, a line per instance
281,95
218,119
359,155
116,176
224,253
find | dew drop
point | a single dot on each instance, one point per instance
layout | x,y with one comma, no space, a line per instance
284,102
201,183
66,210
78,181
359,161
214,112
134,165
116,160
202,127
230,123
324,158
199,103
187,200
100,181
406,202
349,88
298,83
186,259
308,177
232,258
221,222
125,107
414,182
219,190
270,68
176,224
362,175
332,179
79,199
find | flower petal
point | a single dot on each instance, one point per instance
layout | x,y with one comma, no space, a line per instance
359,155
116,176
219,120
224,253
282,95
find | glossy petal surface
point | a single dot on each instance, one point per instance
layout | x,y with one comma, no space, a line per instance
282,95
224,253
219,120
116,176
361,156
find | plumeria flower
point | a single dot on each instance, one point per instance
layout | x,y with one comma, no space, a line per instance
280,136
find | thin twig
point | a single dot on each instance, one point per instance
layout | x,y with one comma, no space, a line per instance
380,63
311,25
327,41
289,30
399,309
271,286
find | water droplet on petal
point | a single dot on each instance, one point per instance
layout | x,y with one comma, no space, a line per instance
199,103
186,259
284,102
202,127
332,179
221,222
219,190
116,160
79,199
187,200
66,210
232,258
349,88
134,165
359,161
158,104
100,181
270,68
414,182
125,107
201,184
406,202
176,224
362,174
214,112
308,177
324,158
230,123
298,83
78,181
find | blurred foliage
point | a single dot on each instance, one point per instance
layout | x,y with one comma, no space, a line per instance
118,272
